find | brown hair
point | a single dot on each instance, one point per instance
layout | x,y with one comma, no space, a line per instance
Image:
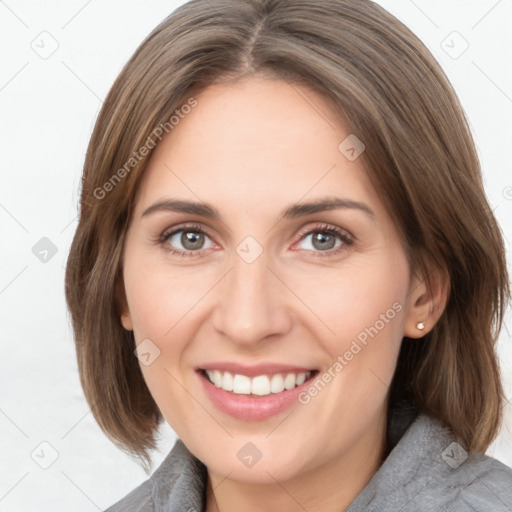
419,154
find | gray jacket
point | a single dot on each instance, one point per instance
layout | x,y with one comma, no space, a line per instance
425,471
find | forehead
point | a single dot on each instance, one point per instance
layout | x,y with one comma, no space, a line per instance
256,142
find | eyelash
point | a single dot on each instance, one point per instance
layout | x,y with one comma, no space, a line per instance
345,238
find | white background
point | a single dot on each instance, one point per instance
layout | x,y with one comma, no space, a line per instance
48,109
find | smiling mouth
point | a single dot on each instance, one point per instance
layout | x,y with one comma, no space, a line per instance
259,385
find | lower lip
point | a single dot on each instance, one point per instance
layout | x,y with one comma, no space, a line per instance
252,407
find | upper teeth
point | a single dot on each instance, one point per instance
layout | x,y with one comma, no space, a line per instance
260,385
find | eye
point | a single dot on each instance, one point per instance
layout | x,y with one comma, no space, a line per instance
326,239
186,240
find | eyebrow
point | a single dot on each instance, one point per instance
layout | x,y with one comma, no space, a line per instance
292,212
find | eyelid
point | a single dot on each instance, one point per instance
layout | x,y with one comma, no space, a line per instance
324,227
168,232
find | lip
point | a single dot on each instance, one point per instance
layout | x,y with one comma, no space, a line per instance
252,407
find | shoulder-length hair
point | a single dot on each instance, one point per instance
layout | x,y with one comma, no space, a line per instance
419,155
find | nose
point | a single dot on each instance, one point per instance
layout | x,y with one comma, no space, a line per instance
251,303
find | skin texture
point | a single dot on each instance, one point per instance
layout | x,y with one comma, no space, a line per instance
251,149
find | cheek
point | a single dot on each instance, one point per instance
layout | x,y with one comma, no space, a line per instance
160,299
354,297
361,308
160,306
164,305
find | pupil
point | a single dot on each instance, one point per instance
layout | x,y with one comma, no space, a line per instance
322,241
191,240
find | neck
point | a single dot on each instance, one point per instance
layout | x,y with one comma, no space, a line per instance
330,487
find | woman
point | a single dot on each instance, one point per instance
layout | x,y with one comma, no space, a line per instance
285,251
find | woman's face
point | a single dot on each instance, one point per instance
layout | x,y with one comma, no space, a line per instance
232,265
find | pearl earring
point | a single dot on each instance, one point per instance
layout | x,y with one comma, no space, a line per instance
420,325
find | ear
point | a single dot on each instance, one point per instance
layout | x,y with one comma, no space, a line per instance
426,304
126,319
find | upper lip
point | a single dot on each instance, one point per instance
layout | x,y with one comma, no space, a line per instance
255,370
